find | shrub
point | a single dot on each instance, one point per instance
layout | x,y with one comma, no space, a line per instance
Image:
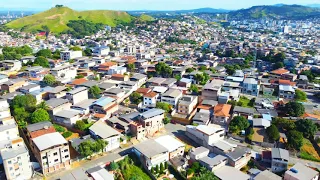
59,128
66,134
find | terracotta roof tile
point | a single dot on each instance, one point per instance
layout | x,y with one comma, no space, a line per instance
117,75
143,90
222,110
280,71
151,94
41,132
78,81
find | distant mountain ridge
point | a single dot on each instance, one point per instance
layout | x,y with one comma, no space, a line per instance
200,10
280,11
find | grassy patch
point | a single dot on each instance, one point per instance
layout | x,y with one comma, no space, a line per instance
308,152
244,102
130,169
59,128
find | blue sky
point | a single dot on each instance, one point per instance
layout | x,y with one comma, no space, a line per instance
144,4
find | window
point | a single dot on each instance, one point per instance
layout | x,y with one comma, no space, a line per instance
56,160
19,158
10,168
67,156
66,150
55,153
44,157
9,162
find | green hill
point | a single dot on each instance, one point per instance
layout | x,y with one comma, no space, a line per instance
57,18
145,18
277,12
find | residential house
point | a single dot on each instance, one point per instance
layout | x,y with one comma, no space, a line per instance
8,130
100,130
169,82
267,175
11,65
117,70
3,78
115,93
119,77
239,157
276,74
299,172
221,114
84,106
139,78
29,88
105,86
56,105
174,146
286,92
205,135
243,111
99,173
119,125
56,92
280,160
155,81
197,153
213,163
150,99
13,84
303,82
101,51
77,95
67,55
184,82
212,90
103,68
172,97
4,109
65,71
151,153
230,173
128,85
250,86
16,160
36,72
105,105
68,117
201,118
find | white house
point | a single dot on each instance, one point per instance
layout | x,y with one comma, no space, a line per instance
251,87
67,55
66,71
150,99
68,117
286,92
205,135
117,70
151,153
174,146
101,51
12,65
102,131
77,95
171,96
4,109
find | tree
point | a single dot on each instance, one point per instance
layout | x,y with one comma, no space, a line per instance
177,77
273,133
163,69
238,124
20,114
95,91
44,53
152,170
166,120
75,48
166,165
43,105
114,166
42,61
300,95
164,106
194,88
67,134
278,65
307,127
136,98
249,133
100,145
131,67
189,70
157,169
161,168
295,139
39,115
56,54
85,148
79,76
283,123
28,102
80,125
294,109
49,79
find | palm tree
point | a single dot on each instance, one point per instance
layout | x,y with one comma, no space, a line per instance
43,105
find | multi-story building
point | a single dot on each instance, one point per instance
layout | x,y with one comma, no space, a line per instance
4,109
299,172
212,90
171,96
251,87
12,65
16,160
221,114
286,92
67,55
105,105
150,99
205,135
280,159
9,129
174,146
77,95
65,71
13,84
239,157
187,104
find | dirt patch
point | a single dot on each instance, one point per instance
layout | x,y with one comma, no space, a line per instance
53,16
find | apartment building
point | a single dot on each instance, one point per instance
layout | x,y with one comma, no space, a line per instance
286,92
187,104
251,86
151,120
205,135
16,160
65,71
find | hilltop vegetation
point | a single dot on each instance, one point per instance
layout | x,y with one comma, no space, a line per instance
145,18
278,12
57,19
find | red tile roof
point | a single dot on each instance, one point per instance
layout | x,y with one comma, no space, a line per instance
143,90
222,110
78,81
41,132
151,94
280,71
